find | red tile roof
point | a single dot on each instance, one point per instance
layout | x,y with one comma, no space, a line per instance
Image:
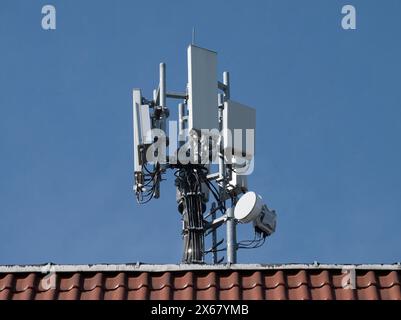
270,282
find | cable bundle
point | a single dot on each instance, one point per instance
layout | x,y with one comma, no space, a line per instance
189,183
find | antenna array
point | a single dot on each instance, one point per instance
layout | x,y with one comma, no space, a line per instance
211,159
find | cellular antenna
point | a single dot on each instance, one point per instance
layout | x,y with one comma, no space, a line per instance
211,154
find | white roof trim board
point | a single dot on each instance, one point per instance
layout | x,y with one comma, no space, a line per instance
138,267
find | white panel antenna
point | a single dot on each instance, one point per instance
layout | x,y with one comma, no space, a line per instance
237,119
136,104
142,126
202,89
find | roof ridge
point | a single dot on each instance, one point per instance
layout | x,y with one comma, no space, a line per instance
138,267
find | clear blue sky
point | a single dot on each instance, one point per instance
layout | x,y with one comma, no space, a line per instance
329,125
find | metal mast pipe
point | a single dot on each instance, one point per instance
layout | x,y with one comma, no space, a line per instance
155,96
181,123
231,237
162,84
163,114
231,231
226,81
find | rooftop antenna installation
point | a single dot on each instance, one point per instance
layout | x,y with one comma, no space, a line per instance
211,154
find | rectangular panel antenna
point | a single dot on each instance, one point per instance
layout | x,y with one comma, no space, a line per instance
238,116
142,127
202,89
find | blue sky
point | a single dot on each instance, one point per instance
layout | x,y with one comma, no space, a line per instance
328,115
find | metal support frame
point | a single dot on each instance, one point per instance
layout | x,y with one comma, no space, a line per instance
177,95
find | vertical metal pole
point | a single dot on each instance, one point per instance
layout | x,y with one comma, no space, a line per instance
231,237
222,186
162,95
226,81
162,121
214,235
162,84
221,150
181,123
231,226
155,96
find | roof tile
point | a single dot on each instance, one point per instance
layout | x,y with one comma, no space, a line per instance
344,294
116,281
251,280
368,293
229,280
138,280
299,293
119,293
46,295
277,293
184,280
324,292
6,281
70,281
366,280
25,282
275,279
389,279
297,280
207,294
391,293
206,280
92,282
162,281
339,278
319,279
